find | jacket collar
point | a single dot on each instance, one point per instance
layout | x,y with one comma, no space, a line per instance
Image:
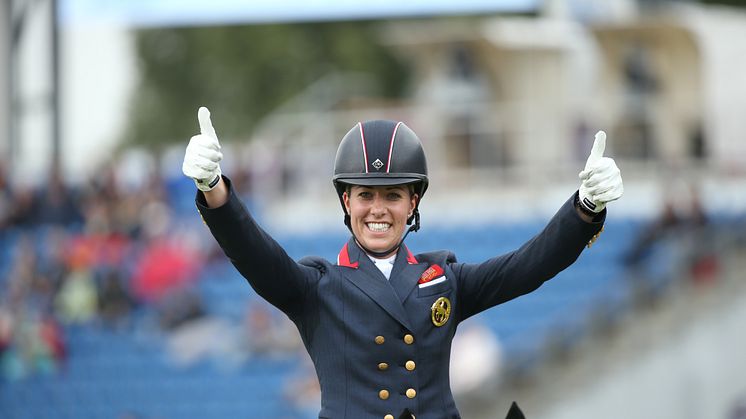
343,258
350,254
405,273
368,278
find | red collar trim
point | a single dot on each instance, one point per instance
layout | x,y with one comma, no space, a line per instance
343,259
410,257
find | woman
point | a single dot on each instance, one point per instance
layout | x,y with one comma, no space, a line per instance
379,322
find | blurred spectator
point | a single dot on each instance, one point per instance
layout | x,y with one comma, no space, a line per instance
667,221
6,330
31,340
77,301
31,344
680,236
22,212
6,198
268,333
167,260
205,337
303,391
52,337
21,276
114,302
57,203
476,358
179,307
704,265
162,267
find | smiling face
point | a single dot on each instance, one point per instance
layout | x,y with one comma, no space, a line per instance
378,214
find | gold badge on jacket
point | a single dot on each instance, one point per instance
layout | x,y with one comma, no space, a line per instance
441,311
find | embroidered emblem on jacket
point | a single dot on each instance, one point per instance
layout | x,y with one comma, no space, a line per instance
441,311
430,273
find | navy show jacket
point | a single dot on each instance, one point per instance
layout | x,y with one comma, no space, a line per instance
374,342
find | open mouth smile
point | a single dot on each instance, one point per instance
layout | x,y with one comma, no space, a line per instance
378,227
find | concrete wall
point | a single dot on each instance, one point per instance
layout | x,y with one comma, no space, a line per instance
697,370
720,31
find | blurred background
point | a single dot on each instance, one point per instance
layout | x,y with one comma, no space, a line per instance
115,301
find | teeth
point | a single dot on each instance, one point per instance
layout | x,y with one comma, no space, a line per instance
379,227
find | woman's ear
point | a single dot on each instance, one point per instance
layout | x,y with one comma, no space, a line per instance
346,200
413,203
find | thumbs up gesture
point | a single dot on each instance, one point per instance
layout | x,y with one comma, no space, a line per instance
601,180
202,157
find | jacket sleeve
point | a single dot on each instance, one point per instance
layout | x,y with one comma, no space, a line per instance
519,272
258,257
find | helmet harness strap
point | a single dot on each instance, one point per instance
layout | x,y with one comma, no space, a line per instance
415,226
360,161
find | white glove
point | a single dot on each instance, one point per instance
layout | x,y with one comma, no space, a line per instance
202,157
601,180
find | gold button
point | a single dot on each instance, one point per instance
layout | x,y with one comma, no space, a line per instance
411,393
409,365
380,340
383,366
408,339
388,417
383,394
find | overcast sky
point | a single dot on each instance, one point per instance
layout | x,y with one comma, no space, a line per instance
200,12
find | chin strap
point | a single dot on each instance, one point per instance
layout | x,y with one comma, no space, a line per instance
414,227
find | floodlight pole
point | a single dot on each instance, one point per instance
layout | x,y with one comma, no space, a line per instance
16,14
56,83
6,76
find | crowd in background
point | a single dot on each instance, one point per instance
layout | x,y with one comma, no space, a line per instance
681,242
114,254
96,255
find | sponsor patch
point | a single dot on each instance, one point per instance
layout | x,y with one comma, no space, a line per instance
434,271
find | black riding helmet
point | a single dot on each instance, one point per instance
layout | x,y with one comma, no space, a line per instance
379,153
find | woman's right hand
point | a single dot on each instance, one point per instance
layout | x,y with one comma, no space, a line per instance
202,161
202,157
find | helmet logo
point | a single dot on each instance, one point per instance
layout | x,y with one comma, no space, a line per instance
378,164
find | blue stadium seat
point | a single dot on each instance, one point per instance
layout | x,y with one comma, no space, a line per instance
109,373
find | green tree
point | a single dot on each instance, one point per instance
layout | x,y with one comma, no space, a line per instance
244,72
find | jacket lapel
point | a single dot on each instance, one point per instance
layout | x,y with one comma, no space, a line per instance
366,276
406,273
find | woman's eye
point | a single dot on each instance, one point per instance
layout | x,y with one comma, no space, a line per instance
394,196
365,195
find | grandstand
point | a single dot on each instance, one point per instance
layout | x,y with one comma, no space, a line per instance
113,372
647,323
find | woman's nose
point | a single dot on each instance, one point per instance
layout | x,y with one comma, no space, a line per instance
379,207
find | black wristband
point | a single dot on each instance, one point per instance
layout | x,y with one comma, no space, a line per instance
583,208
214,182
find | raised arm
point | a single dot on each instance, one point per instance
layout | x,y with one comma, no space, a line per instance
576,225
258,257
